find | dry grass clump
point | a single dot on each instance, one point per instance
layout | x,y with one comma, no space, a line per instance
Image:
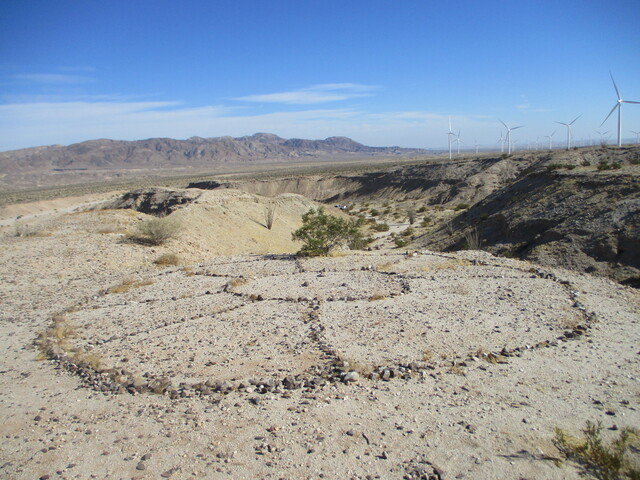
234,283
384,267
570,322
610,461
128,283
55,339
427,355
168,259
377,296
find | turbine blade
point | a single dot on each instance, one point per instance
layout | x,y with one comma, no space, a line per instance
628,101
615,86
575,119
617,105
561,123
520,126
554,132
505,125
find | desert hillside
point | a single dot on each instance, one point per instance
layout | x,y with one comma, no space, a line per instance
578,209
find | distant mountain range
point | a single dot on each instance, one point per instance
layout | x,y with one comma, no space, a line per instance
196,152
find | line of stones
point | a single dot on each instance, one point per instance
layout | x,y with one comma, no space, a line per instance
119,380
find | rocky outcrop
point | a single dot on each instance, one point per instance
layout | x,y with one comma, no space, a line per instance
154,201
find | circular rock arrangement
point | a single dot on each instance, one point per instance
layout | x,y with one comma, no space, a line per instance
270,324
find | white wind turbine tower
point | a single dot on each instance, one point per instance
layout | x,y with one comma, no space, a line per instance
501,142
618,105
475,141
549,137
568,125
637,136
449,135
509,134
458,141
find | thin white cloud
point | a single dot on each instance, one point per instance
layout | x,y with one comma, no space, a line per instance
52,78
323,93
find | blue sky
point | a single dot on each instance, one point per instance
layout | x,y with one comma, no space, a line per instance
381,72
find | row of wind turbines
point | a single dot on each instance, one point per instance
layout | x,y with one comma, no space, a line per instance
507,139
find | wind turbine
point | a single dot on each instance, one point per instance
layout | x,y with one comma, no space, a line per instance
449,135
458,141
618,105
601,135
568,125
501,142
476,144
637,136
509,134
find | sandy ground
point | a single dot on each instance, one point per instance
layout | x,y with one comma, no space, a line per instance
484,357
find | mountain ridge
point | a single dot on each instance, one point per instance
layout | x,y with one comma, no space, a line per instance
192,152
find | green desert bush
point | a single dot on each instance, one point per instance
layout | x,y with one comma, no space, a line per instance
381,227
321,233
461,206
605,461
401,242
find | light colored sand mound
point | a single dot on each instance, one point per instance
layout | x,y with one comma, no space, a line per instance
229,222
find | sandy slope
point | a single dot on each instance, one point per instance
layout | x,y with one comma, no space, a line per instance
260,318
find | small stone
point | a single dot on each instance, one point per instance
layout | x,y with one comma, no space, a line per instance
146,456
351,376
141,466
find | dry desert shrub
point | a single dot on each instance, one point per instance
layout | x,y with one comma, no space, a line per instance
156,231
56,337
472,239
269,215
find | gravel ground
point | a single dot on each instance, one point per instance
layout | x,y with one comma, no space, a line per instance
365,365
